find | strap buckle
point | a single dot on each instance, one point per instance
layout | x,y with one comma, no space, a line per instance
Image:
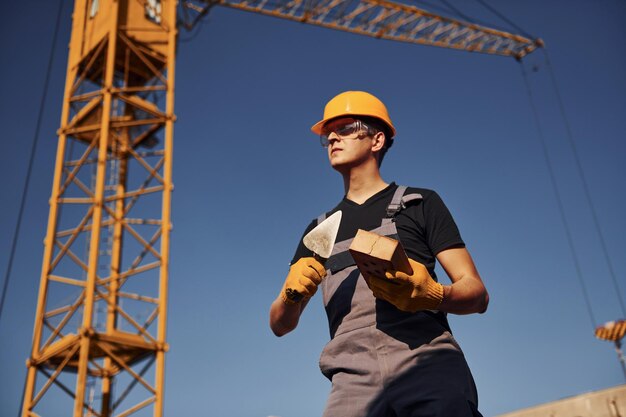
393,209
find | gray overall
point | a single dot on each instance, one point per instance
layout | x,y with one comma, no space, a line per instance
384,362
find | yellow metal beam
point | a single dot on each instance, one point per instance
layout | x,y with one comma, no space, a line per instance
382,19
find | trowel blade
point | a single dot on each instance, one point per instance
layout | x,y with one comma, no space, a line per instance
321,239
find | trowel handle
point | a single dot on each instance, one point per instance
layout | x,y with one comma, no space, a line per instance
293,295
320,259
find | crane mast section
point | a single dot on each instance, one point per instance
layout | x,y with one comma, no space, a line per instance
99,338
389,20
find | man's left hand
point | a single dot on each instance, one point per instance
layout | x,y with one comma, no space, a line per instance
411,293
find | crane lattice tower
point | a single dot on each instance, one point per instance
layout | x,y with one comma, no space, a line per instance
101,312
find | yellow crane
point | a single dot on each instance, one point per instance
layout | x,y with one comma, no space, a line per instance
102,302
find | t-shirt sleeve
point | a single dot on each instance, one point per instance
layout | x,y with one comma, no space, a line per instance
302,251
441,230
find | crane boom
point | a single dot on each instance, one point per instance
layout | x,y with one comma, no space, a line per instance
386,20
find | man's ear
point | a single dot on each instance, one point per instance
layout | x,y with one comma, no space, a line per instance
378,141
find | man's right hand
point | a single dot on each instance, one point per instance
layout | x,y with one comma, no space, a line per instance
302,281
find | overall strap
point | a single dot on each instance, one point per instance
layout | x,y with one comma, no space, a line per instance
399,202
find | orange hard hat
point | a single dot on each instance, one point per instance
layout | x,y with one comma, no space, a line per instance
354,103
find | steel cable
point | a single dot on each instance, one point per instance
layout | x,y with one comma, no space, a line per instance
585,184
31,159
454,10
557,195
505,19
29,170
458,12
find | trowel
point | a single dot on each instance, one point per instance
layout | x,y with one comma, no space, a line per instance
320,241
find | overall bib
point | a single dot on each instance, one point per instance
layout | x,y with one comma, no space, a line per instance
384,362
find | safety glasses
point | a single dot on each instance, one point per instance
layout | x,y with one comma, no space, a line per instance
345,129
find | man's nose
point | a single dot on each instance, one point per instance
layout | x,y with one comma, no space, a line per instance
333,137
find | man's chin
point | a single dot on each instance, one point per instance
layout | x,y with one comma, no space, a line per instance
340,166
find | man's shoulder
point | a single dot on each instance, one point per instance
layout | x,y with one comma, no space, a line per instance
424,192
430,199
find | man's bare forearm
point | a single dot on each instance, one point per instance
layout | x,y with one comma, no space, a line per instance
284,317
465,296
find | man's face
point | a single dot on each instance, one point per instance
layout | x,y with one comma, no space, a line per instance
349,142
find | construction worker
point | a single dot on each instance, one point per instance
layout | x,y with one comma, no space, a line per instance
391,351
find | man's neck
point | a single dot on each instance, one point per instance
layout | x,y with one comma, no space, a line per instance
362,182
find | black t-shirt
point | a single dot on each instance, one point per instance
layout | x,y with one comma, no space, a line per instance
425,227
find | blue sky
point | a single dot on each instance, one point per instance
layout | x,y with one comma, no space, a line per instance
249,177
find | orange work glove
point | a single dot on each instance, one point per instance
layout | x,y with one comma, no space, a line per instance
408,292
302,281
